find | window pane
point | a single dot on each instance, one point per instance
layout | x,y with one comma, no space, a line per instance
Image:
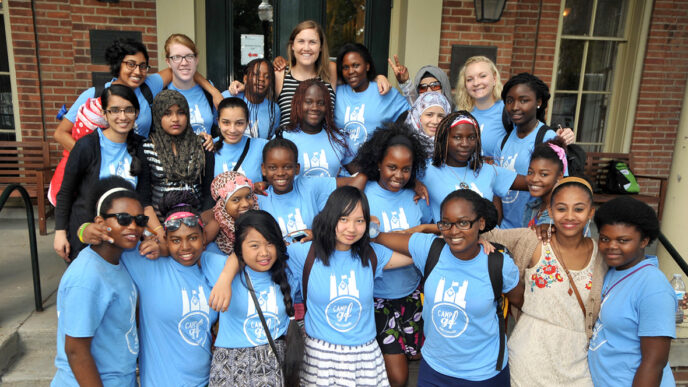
600,66
4,64
577,15
563,110
610,18
570,59
593,117
6,114
345,23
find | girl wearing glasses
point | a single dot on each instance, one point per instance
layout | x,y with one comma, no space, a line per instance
425,115
103,153
174,317
428,78
462,333
359,108
97,340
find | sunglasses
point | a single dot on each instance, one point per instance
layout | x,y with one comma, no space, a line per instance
434,86
189,221
125,219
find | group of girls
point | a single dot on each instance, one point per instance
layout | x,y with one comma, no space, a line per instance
269,214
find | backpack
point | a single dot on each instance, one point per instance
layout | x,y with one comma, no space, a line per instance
620,179
575,155
495,261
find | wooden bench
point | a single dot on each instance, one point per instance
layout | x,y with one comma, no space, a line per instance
596,166
28,163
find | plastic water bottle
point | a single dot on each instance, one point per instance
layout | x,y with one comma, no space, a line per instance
680,289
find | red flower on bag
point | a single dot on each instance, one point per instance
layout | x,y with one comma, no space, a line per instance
549,269
540,282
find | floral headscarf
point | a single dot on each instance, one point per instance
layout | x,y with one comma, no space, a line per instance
424,102
223,187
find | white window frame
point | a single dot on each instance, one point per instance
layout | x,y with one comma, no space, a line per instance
627,74
4,13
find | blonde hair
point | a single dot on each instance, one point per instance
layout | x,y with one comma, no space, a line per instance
180,39
465,101
322,68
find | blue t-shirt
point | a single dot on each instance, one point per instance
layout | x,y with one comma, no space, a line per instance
174,320
201,116
461,326
642,305
360,114
440,182
259,116
317,156
143,121
240,325
396,211
340,296
227,157
492,130
114,159
516,157
98,299
295,210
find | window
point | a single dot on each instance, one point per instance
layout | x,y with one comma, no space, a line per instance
8,127
345,24
593,47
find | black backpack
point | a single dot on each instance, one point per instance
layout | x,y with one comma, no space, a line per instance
495,262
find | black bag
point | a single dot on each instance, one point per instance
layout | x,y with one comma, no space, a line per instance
620,179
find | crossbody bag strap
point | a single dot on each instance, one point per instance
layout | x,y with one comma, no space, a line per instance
572,284
243,155
260,314
307,266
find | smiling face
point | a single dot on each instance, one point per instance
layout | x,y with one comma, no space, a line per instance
240,202
127,236
121,123
260,78
186,244
480,81
542,175
521,105
132,78
571,209
354,71
257,252
461,144
186,68
430,119
232,122
463,244
174,120
622,245
306,47
350,228
313,110
395,168
280,168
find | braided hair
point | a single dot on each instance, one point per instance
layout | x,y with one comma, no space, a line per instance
252,70
439,156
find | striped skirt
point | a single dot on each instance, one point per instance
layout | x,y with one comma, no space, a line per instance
328,364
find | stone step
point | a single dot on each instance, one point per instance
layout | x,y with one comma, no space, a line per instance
35,368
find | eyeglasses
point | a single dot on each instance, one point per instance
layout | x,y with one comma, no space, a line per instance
178,58
125,219
189,221
129,110
131,65
460,224
434,86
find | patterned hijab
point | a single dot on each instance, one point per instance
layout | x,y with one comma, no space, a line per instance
189,162
424,102
223,187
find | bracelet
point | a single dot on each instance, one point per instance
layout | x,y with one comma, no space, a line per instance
156,229
81,231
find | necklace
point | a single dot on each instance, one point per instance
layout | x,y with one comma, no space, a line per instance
462,182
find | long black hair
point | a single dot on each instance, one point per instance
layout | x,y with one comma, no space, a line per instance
133,139
266,225
341,203
252,69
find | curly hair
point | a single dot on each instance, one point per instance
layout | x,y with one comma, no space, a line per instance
482,207
373,151
439,156
119,49
629,211
536,85
465,101
544,151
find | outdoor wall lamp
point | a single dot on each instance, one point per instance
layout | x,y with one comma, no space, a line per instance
265,11
489,11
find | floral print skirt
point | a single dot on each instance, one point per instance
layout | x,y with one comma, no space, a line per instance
399,324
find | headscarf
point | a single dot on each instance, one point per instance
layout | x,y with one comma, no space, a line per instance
437,73
223,187
189,162
425,101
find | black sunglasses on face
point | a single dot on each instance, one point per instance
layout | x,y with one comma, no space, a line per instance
125,219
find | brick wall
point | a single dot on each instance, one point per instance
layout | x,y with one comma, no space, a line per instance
63,48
